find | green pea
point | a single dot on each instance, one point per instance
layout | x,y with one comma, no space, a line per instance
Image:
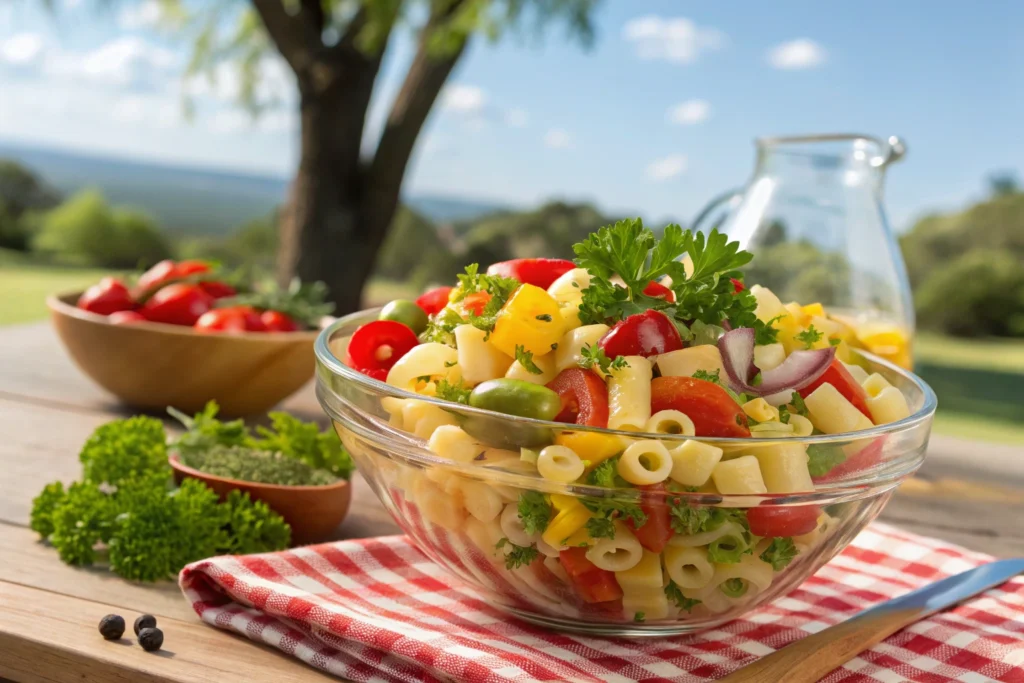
405,312
516,397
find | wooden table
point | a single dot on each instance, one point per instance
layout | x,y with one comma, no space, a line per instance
968,493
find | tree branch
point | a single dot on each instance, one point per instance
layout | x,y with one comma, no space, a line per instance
296,36
423,82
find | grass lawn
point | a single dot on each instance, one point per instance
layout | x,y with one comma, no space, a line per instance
26,287
983,354
968,426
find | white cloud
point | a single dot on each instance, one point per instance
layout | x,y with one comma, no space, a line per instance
556,138
668,167
232,120
689,112
71,4
465,99
802,53
124,62
22,49
159,112
141,16
275,83
517,118
677,40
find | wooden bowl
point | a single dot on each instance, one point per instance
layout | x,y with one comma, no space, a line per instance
313,512
153,365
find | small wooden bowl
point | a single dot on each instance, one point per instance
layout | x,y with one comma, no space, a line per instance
313,512
153,365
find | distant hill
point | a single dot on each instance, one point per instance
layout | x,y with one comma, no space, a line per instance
193,200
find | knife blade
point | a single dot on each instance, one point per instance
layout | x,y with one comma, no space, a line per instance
812,657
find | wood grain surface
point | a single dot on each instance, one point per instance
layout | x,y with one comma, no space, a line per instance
968,493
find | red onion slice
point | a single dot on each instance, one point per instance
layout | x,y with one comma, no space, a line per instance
798,370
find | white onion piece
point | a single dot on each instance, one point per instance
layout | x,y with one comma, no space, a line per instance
798,370
779,399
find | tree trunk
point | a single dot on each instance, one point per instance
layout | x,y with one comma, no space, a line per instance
322,236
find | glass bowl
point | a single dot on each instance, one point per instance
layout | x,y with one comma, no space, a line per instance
458,509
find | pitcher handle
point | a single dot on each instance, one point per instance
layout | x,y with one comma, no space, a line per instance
897,149
714,204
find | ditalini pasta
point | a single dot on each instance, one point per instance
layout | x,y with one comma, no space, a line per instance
596,455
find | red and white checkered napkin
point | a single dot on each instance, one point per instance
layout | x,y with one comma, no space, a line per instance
378,610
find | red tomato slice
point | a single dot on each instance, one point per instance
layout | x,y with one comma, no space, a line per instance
657,530
645,334
659,291
377,373
108,296
773,521
379,345
177,304
540,272
712,410
476,301
584,397
838,376
276,321
589,582
433,301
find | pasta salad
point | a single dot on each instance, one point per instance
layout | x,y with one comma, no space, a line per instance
661,340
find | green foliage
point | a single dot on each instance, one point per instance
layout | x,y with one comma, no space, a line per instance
21,192
592,356
304,302
125,449
304,441
780,553
86,231
252,247
607,474
979,293
518,556
81,520
414,250
43,507
675,594
253,527
534,511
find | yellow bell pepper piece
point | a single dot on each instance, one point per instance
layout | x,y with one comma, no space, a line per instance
570,519
595,448
814,309
531,319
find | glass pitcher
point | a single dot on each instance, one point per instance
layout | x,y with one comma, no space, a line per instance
812,215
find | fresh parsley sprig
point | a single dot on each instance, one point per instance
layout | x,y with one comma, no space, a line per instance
595,355
525,359
518,556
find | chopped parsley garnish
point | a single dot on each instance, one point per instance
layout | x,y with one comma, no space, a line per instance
734,588
639,617
784,414
500,288
525,359
613,510
798,405
822,458
595,355
766,333
709,376
688,520
834,341
600,527
607,474
673,593
534,512
809,337
632,252
456,393
518,556
544,317
442,327
780,553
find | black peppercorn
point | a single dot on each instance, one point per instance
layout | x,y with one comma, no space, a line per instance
145,621
151,639
112,627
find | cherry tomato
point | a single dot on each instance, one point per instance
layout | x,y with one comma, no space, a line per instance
773,521
589,582
126,318
377,373
532,271
217,289
713,411
838,376
231,319
167,271
657,530
645,334
737,285
659,291
108,296
476,301
584,397
177,304
379,345
276,321
433,301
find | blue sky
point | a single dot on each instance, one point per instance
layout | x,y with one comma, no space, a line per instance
657,117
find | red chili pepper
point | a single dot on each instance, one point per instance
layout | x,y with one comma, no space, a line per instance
109,296
645,334
659,291
584,397
540,272
379,345
737,285
433,301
